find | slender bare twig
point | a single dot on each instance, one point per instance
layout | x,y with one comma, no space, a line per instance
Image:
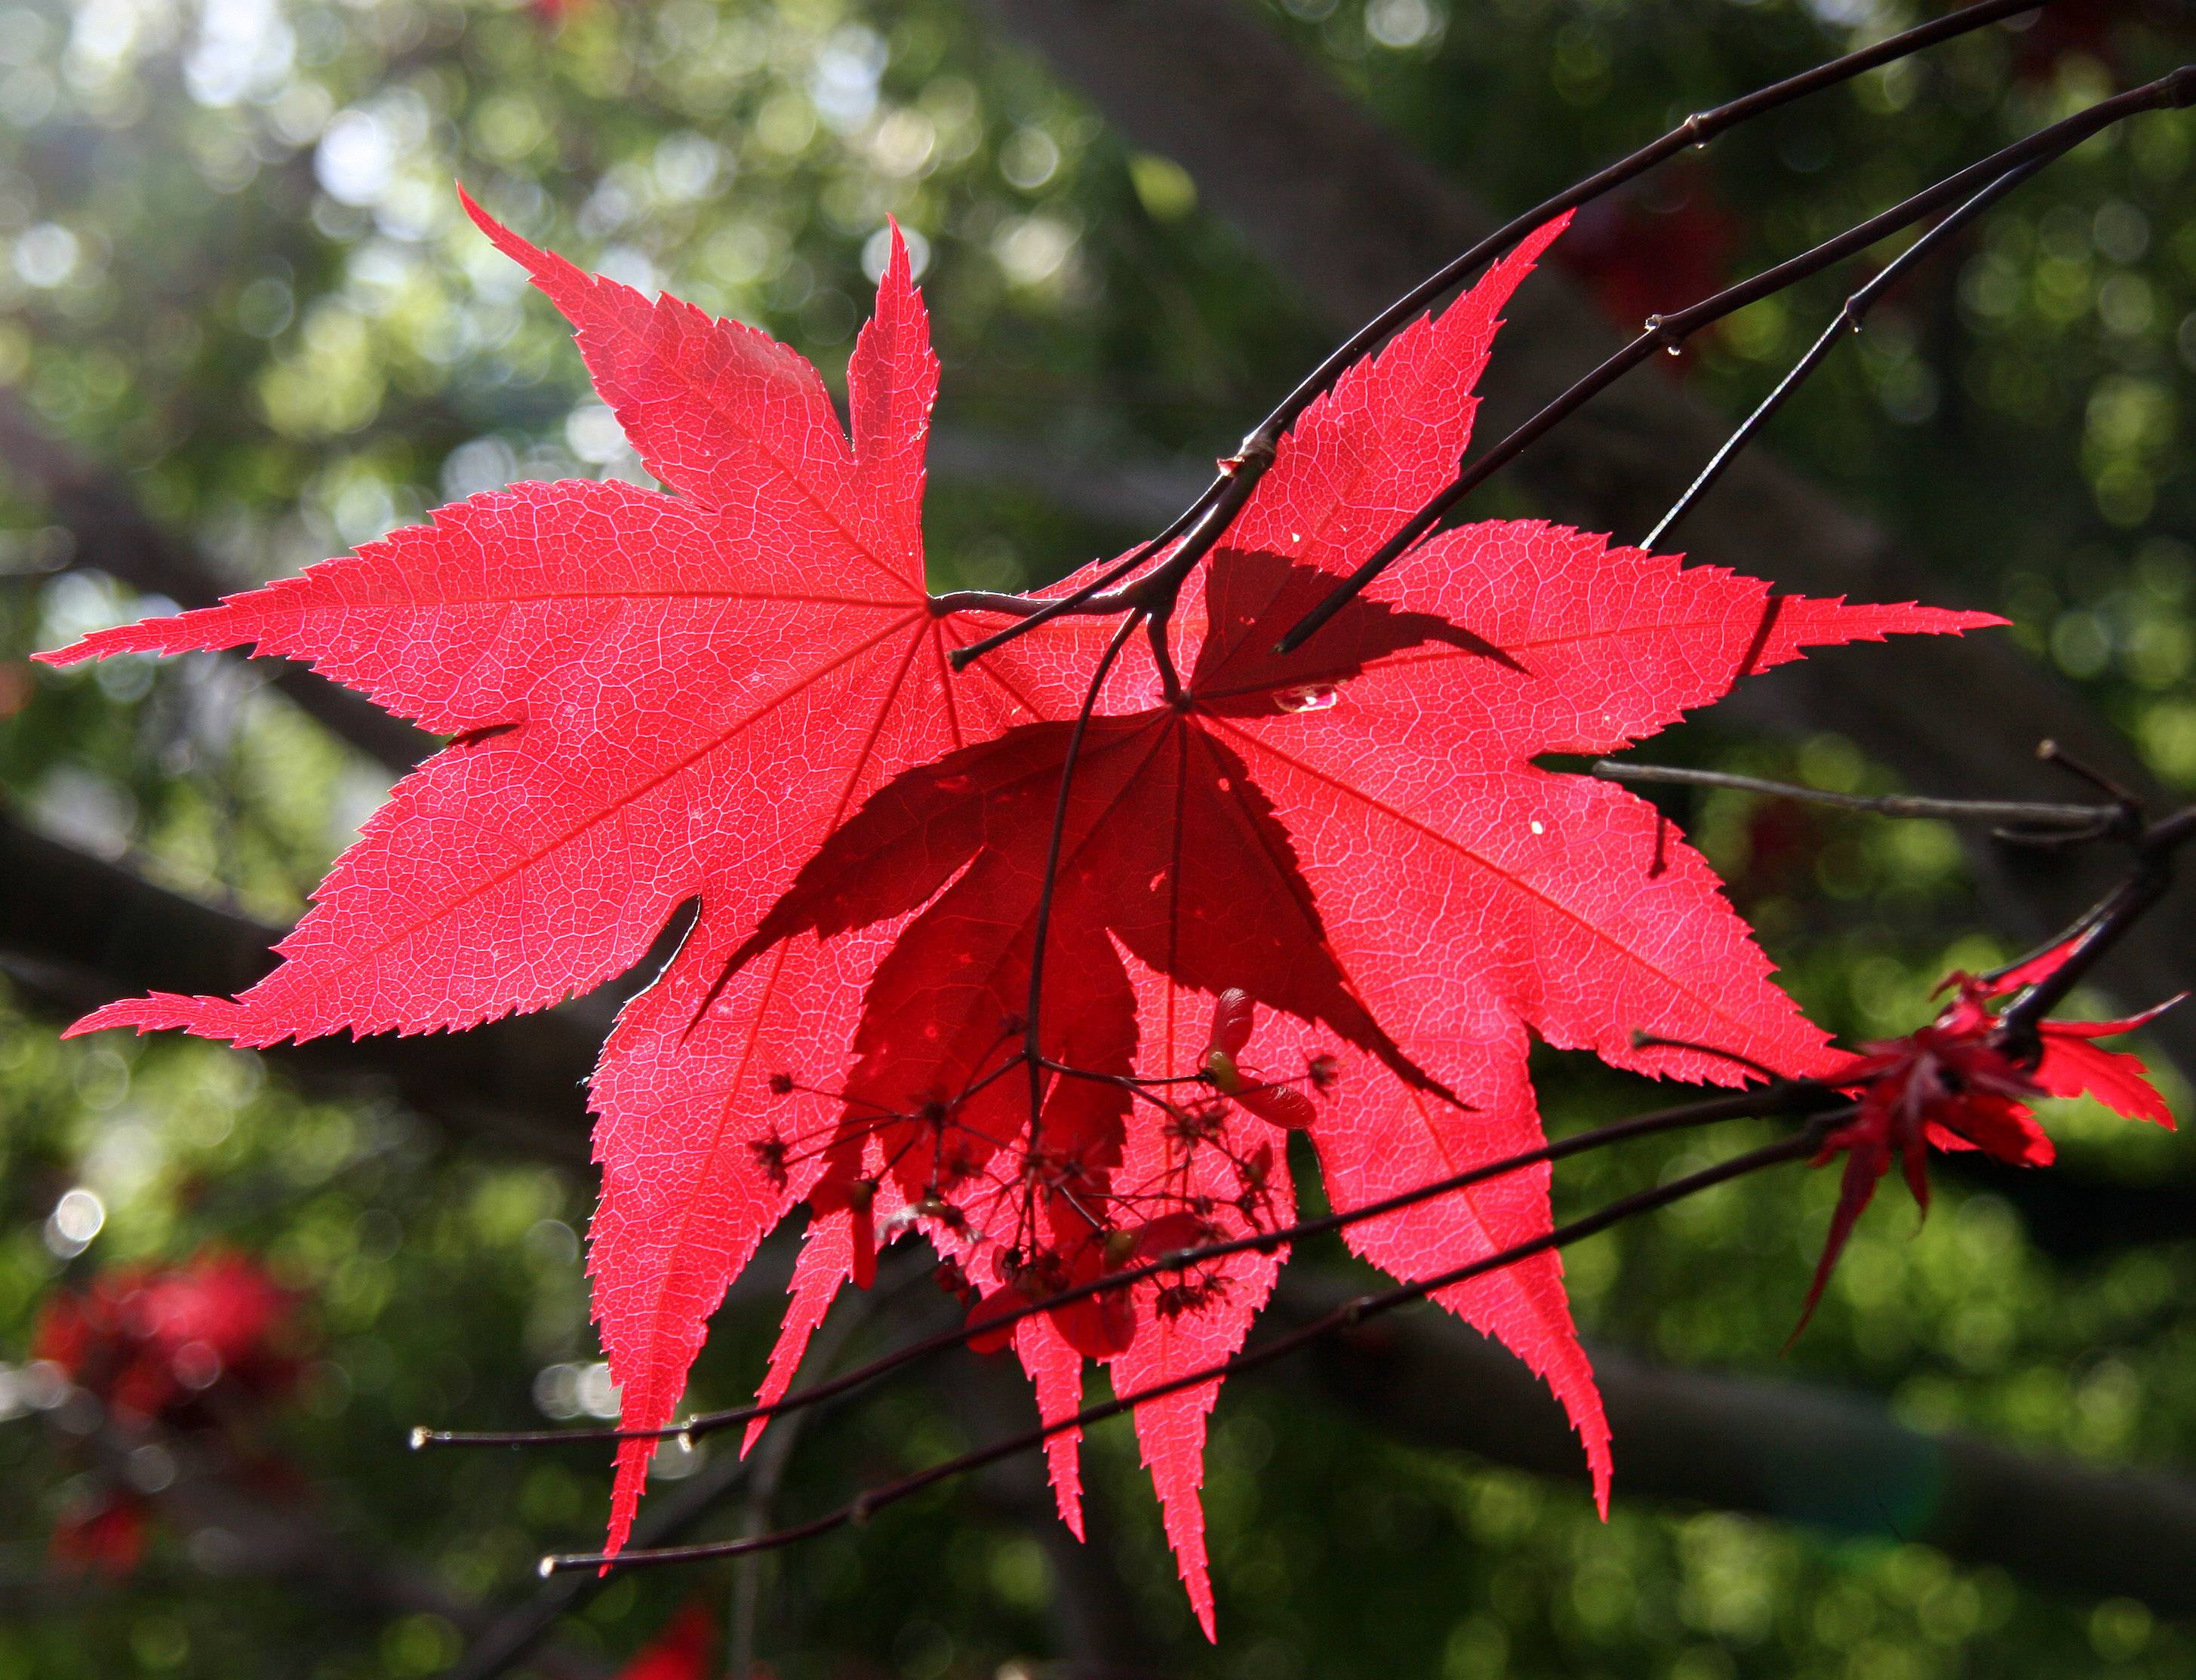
508,1641
1035,610
2097,929
1032,1048
1202,524
1666,332
1882,805
1848,319
1794,1097
1351,1313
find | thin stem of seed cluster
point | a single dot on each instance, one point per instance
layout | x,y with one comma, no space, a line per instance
1032,1044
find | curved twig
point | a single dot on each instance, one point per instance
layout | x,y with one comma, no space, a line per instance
1795,1097
1799,1145
1206,519
2041,813
1667,332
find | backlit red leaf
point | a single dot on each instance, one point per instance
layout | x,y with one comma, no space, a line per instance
659,698
737,693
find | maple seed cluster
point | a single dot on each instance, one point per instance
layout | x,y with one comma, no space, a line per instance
1042,1221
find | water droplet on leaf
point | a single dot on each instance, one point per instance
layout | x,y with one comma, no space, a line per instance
1309,697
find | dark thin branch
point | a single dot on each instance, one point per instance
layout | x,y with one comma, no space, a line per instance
2075,816
1694,133
1346,1316
2051,753
1798,1096
1206,520
507,1642
1036,609
1848,320
1666,332
277,1531
2106,927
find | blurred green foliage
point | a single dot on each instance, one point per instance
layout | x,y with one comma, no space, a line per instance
234,275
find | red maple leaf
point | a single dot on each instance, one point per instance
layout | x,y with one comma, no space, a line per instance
1355,836
663,698
655,698
1958,1083
152,1342
685,1649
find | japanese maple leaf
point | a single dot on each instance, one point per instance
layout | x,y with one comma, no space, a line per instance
1958,1083
660,698
655,698
1355,836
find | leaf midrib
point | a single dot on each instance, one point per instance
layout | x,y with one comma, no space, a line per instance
624,802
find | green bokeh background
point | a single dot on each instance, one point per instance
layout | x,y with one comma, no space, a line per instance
234,274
